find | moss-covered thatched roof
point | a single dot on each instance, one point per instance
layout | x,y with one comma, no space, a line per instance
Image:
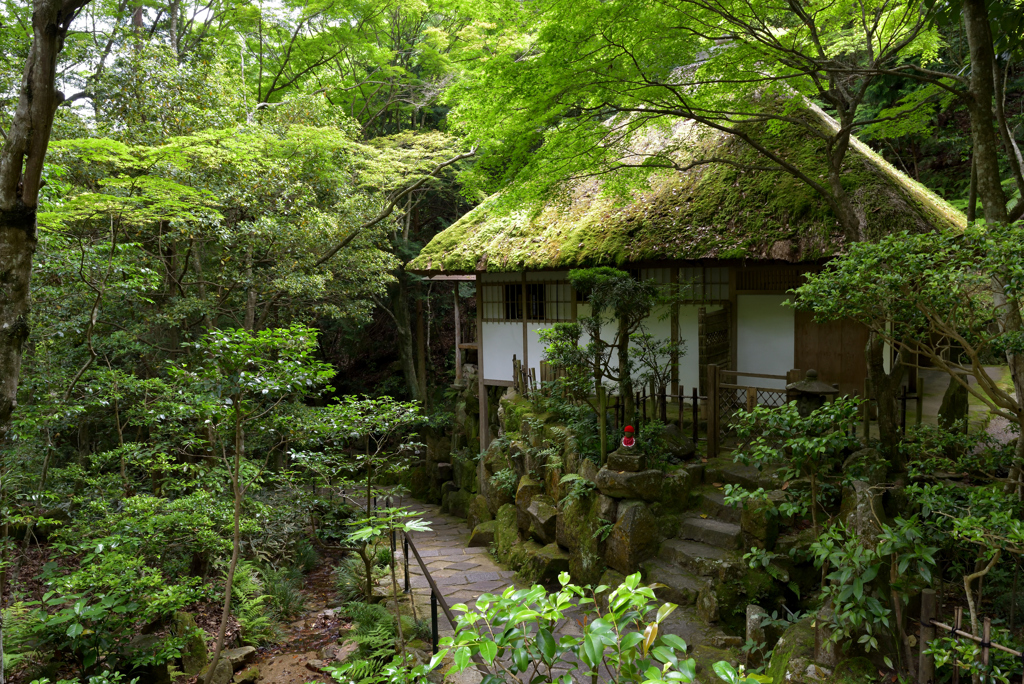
712,211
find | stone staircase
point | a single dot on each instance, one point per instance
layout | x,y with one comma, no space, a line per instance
708,549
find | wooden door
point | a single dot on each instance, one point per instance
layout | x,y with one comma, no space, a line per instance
713,342
834,349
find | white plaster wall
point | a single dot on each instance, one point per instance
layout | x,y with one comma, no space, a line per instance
501,341
765,338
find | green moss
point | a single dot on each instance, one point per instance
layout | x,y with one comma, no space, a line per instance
797,641
858,670
711,211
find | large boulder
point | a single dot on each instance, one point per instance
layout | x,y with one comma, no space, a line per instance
759,521
861,511
457,502
527,489
222,674
626,460
483,535
464,472
675,490
633,538
575,530
545,564
506,532
479,511
867,465
543,514
793,657
645,484
678,445
954,405
193,653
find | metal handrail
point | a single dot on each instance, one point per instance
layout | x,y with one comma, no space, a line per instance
436,597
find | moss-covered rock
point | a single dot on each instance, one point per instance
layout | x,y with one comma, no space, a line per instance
484,534
645,484
457,502
419,483
675,490
527,489
793,653
544,564
633,539
464,472
760,524
521,553
858,670
543,515
862,511
706,657
867,465
193,653
506,532
479,511
576,528
611,579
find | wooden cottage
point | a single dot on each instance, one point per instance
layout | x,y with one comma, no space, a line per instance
734,241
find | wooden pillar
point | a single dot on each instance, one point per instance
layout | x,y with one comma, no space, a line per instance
712,418
526,354
674,318
458,337
421,352
926,664
481,388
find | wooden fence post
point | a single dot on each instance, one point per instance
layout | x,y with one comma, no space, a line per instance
712,410
926,664
751,399
919,400
867,410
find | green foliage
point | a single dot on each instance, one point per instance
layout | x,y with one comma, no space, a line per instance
652,443
861,599
505,481
579,488
932,295
375,634
252,606
93,611
283,588
520,625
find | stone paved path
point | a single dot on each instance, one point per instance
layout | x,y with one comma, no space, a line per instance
462,574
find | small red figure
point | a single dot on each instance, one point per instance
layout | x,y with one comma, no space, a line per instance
628,440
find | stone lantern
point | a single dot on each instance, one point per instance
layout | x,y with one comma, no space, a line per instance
810,393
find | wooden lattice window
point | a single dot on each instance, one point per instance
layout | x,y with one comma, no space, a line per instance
545,302
770,279
704,283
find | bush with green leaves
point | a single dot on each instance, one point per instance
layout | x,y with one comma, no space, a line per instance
869,583
505,481
93,612
798,446
516,635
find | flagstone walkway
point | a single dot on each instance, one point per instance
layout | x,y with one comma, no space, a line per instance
462,574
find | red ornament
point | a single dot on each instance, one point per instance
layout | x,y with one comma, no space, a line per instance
628,440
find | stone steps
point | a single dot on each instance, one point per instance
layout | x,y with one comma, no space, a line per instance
699,558
681,586
726,471
712,502
711,531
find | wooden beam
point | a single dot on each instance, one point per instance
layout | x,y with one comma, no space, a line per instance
458,338
674,318
481,389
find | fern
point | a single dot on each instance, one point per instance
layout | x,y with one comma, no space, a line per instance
375,634
248,599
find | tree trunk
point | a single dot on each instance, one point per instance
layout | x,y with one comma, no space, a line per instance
625,372
885,387
21,167
406,354
979,103
236,488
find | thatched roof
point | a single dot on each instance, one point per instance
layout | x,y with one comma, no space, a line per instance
714,211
